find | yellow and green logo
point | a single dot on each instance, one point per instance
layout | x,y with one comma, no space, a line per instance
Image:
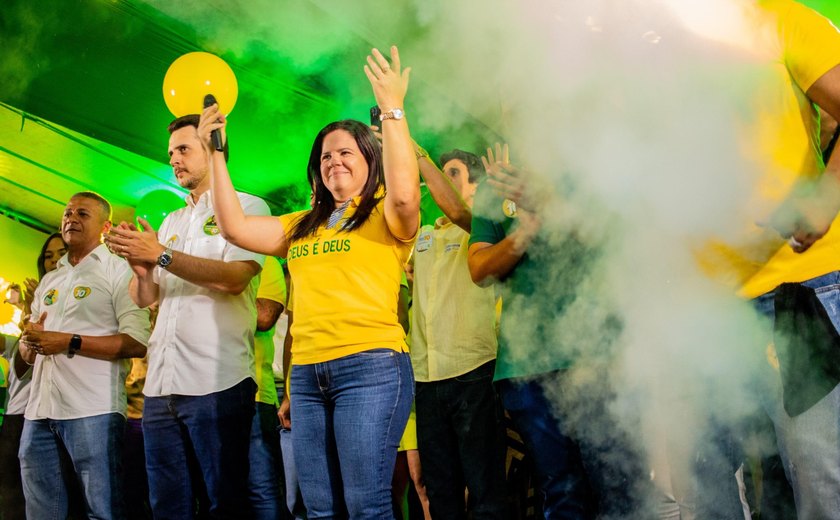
210,227
50,297
80,292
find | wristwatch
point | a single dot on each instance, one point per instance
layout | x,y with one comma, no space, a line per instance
165,258
75,345
394,113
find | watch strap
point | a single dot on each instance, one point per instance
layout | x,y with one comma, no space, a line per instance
75,345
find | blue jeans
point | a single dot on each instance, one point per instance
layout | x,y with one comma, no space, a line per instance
348,415
294,500
94,445
586,464
809,443
556,457
211,432
263,457
462,444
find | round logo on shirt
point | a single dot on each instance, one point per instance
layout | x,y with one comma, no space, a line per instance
50,297
80,292
210,227
509,208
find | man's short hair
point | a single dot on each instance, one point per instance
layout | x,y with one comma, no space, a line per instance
192,120
106,206
471,160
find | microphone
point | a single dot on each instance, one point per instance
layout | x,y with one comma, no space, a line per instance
215,135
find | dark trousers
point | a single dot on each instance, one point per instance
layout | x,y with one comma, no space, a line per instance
461,444
12,503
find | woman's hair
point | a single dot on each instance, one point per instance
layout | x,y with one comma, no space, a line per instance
324,203
42,256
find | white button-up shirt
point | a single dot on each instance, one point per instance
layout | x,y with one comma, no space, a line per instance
203,340
89,299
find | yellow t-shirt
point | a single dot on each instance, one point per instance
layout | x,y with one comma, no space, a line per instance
346,288
272,287
783,140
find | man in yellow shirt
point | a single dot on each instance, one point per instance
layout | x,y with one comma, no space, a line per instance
453,352
803,236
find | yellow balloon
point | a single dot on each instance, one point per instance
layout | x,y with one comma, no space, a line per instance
193,76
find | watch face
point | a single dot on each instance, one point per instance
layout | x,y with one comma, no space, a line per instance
398,113
164,259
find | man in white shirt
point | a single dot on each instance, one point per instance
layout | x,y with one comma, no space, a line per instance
200,384
83,327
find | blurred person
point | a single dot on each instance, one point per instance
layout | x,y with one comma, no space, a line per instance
556,391
83,327
12,504
351,380
802,194
200,383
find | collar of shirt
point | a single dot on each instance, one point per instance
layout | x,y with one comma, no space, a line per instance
97,253
441,222
204,200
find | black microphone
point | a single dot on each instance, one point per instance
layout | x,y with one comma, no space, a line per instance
215,135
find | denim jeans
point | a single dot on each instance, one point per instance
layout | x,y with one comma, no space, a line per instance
294,500
94,445
348,415
462,444
809,443
586,464
213,432
263,457
556,457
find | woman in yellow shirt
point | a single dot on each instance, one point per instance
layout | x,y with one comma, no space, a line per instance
351,379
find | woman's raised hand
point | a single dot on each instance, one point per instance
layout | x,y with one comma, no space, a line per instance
389,80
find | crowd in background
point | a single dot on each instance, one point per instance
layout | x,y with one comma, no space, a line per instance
185,372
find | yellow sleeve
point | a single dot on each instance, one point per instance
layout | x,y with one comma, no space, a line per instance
272,284
812,44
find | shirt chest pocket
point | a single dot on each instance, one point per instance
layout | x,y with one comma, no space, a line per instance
212,247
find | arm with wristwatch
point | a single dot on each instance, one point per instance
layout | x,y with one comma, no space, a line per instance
144,253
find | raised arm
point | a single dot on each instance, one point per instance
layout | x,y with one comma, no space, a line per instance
442,190
402,182
487,261
261,234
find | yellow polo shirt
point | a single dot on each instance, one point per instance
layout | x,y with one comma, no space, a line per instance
783,140
346,288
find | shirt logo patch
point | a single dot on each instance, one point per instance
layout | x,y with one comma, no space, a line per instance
424,241
509,208
50,297
210,227
80,292
452,247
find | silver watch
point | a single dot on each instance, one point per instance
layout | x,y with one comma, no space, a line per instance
165,258
394,113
